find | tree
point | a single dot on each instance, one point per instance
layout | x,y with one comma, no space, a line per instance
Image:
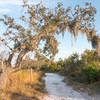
41,24
96,44
60,64
73,63
89,56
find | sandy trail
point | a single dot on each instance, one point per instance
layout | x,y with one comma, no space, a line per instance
58,90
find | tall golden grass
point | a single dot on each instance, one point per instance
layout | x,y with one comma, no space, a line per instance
18,86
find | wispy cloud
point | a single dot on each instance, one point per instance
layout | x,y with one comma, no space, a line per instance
10,2
7,5
4,10
17,2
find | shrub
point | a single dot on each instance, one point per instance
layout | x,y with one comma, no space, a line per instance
53,67
18,85
61,65
44,68
91,72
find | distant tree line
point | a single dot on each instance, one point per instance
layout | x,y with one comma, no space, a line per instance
84,68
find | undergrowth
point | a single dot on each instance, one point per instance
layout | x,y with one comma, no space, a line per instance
18,86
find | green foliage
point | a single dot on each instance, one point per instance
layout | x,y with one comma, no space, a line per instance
49,68
53,67
73,63
60,65
85,68
91,72
88,56
44,68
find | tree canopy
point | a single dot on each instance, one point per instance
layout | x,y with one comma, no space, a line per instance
41,24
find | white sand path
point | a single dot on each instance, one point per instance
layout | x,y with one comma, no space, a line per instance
58,90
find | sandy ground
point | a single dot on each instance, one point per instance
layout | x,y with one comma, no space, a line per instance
58,90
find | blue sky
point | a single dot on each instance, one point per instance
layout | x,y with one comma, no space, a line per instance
67,44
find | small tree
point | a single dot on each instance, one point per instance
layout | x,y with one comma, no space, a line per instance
89,56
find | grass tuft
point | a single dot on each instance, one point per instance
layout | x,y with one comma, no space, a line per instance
18,86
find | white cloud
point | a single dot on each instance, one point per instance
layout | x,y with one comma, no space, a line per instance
17,2
5,4
10,2
4,10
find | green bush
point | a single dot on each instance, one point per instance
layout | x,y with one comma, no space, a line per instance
84,67
44,68
53,67
91,72
60,65
73,64
59,68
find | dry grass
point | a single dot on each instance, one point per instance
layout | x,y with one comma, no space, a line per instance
18,86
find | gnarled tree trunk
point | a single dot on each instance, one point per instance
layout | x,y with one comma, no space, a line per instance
10,58
20,58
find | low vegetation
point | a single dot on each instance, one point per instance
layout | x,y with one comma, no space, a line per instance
84,68
53,66
81,71
18,86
